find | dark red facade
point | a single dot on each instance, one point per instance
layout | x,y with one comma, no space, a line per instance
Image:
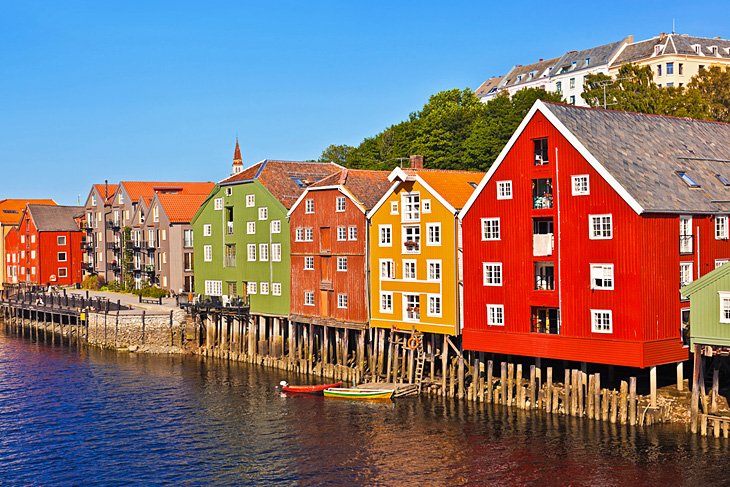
548,314
43,257
325,281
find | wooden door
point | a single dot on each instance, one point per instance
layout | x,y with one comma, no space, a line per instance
325,239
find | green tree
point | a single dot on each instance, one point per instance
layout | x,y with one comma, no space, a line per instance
336,153
712,85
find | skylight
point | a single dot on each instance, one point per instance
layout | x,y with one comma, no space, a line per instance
473,184
688,179
299,182
723,179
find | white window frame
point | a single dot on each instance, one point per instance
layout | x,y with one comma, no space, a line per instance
411,209
495,315
341,233
411,264
299,234
218,204
308,298
721,227
250,200
721,262
724,306
578,186
389,295
430,299
250,228
432,264
405,308
62,272
207,230
263,252
429,242
275,252
263,213
251,288
504,190
308,262
601,236
495,281
308,234
601,314
381,233
426,206
340,204
686,273
491,229
389,266
341,264
263,288
309,206
352,233
58,256
229,191
251,252
213,288
341,300
276,289
275,226
61,240
207,253
393,207
602,268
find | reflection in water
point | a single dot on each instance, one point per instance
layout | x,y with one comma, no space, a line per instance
71,416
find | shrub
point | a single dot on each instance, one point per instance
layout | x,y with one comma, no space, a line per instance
151,292
93,283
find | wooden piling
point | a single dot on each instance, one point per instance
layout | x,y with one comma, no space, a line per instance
490,382
549,390
632,401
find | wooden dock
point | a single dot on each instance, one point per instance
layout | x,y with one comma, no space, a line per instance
401,390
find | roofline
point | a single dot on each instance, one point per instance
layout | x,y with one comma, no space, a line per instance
704,281
572,139
212,193
339,187
401,176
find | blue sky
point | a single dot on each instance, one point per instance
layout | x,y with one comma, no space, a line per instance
159,90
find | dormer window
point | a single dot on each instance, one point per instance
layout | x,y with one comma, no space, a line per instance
121,198
697,48
519,78
688,179
657,49
725,181
93,200
588,61
713,50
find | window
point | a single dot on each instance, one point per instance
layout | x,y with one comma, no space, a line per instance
187,238
721,231
340,205
670,68
341,234
251,288
601,321
308,298
276,288
250,200
213,288
559,86
490,229
308,234
387,269
601,276
156,214
218,204
263,213
433,234
309,206
275,252
426,206
601,227
504,190
32,271
386,302
685,273
580,185
685,234
61,256
32,238
264,252
409,269
250,228
434,270
393,207
187,262
308,263
229,191
352,233
207,230
61,240
540,151
93,200
434,305
658,69
163,234
62,272
386,235
689,181
275,226
32,254
299,235
411,239
724,307
495,315
207,253
681,68
22,239
588,61
492,273
721,262
121,198
572,100
251,252
264,288
342,301
411,307
341,264
572,83
411,207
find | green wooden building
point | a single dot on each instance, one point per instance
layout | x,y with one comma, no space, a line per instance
242,233
709,296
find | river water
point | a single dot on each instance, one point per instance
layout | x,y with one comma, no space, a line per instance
70,417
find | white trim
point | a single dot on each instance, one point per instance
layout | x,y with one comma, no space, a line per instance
572,139
428,240
501,274
507,183
489,314
405,262
440,314
381,227
588,185
590,226
603,267
339,187
428,269
723,295
398,176
595,312
499,229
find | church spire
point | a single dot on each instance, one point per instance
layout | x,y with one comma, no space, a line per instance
237,160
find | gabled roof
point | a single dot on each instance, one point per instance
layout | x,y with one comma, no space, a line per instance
489,86
367,186
286,180
681,44
587,58
180,208
451,188
11,210
101,188
711,277
530,72
137,189
53,218
640,156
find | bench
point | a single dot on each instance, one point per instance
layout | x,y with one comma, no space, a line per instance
150,300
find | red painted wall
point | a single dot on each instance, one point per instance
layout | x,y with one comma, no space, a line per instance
644,251
352,282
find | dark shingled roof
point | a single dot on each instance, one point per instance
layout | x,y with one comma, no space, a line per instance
597,55
681,44
49,218
528,73
644,152
286,180
367,186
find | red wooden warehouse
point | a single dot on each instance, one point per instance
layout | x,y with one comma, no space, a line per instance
45,248
328,248
579,237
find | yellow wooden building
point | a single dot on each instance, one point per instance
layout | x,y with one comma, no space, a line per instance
415,250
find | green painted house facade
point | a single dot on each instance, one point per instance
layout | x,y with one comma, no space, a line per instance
242,235
710,308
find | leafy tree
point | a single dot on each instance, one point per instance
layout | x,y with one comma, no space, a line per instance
336,153
713,87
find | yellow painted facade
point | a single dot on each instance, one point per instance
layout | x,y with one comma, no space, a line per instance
414,287
676,69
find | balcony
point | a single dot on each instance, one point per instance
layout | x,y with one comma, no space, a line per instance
545,321
89,267
229,228
149,268
137,245
114,246
325,285
113,225
542,193
150,245
686,244
411,247
229,261
543,244
114,267
87,246
544,276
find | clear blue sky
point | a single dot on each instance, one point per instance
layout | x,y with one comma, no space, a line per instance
152,90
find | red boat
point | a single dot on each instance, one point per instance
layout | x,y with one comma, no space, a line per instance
308,389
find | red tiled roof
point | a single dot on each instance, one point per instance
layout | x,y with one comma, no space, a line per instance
367,186
101,188
137,189
11,210
181,208
454,186
286,180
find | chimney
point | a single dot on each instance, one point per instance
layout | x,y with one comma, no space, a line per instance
416,162
662,36
630,39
